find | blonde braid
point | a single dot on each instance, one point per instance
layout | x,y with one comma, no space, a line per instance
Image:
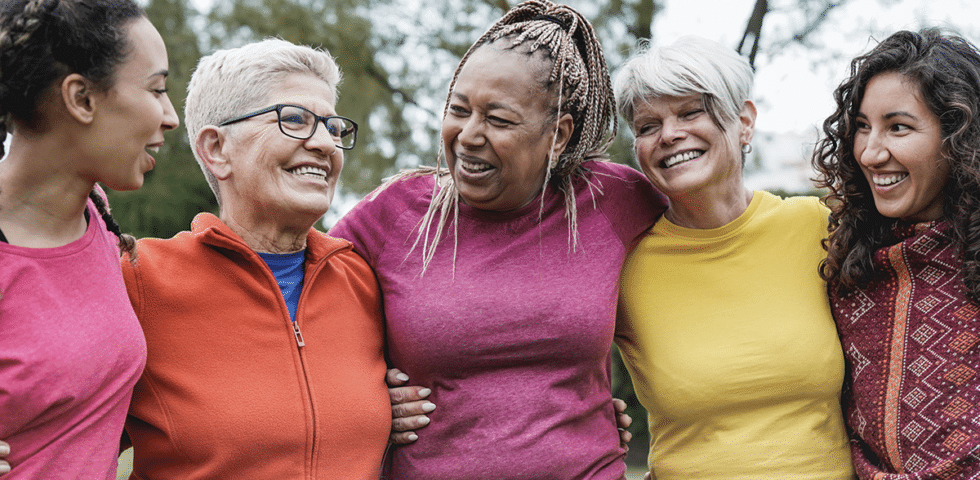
584,90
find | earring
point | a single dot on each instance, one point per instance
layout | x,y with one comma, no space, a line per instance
747,148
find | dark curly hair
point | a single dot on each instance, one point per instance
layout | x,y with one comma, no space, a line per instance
42,42
946,69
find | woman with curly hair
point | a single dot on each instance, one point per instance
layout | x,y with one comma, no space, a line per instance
901,158
83,92
499,274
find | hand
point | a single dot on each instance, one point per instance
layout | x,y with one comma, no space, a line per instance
4,451
408,407
623,421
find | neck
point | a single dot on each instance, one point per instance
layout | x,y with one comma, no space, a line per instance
264,234
42,197
706,210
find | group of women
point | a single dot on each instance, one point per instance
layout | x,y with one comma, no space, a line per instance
497,284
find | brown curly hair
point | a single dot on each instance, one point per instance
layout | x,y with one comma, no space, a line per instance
947,70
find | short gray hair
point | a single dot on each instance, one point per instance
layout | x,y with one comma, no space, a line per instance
238,80
691,65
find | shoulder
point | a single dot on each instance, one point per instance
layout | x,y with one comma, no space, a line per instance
802,206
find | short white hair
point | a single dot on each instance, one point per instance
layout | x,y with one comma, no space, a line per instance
689,66
235,81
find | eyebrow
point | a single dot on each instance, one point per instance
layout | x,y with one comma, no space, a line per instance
891,115
162,72
490,106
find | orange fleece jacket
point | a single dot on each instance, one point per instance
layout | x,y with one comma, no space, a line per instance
227,391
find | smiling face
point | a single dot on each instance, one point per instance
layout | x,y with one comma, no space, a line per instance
134,112
274,176
681,149
898,145
497,133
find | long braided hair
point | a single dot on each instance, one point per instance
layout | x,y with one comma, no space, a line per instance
41,42
579,79
946,69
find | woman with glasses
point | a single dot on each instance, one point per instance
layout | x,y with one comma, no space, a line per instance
264,336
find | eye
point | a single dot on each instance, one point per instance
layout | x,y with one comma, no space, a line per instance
900,128
499,122
692,113
647,128
458,110
861,124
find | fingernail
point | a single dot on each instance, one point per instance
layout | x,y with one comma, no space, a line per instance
413,437
4,449
424,392
424,421
402,377
4,467
428,407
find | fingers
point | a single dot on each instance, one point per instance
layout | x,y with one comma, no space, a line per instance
4,451
395,377
408,407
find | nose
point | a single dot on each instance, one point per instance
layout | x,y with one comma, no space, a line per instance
471,132
671,131
870,150
322,141
170,118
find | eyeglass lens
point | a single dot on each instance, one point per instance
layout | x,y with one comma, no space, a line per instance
301,123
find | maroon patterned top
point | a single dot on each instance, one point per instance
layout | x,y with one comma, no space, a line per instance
911,340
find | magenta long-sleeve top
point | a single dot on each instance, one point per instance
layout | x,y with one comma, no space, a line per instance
513,333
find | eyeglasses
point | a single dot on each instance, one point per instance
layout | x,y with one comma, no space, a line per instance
300,123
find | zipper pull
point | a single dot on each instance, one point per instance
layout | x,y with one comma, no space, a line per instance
298,334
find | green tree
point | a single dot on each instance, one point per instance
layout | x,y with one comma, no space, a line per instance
175,190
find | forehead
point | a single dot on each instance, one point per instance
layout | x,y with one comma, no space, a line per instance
665,105
893,89
147,53
305,90
514,76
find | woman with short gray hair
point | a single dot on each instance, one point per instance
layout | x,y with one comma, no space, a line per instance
735,354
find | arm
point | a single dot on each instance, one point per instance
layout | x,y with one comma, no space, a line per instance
408,407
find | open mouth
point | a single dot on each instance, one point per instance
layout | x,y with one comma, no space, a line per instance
474,167
886,180
309,171
680,158
153,149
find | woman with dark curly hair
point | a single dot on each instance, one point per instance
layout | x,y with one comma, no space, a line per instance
83,92
901,158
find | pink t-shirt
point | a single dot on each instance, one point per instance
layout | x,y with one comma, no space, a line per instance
70,352
514,339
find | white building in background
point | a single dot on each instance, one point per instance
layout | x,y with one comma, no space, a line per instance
781,161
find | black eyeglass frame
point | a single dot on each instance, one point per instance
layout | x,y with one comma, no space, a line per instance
278,109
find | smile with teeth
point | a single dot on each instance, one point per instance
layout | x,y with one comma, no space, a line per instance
309,171
885,180
155,149
682,157
474,167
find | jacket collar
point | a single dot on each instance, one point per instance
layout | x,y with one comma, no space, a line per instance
210,230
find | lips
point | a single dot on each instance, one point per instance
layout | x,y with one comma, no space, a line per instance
885,180
680,158
309,171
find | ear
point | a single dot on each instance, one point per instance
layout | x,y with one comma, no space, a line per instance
78,93
211,148
566,125
747,119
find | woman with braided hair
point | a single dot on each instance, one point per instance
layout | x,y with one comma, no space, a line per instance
499,273
83,92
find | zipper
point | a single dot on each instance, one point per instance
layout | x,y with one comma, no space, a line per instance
298,334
